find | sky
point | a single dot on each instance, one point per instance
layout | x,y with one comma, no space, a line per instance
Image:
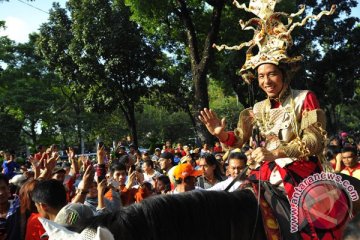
23,17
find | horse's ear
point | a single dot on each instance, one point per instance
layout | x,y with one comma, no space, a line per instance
103,234
57,232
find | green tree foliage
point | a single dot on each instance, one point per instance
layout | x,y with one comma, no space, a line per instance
187,30
183,28
108,70
348,116
26,90
329,47
225,105
6,48
331,66
157,124
10,129
106,55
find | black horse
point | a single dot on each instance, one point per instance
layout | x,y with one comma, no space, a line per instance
193,215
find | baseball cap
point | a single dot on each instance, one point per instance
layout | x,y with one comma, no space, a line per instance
184,159
132,145
18,180
343,134
167,155
58,169
66,165
157,149
122,147
219,155
73,214
184,170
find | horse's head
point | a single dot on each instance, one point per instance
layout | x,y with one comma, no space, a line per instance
59,232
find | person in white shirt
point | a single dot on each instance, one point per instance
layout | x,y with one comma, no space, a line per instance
185,177
156,155
237,163
149,172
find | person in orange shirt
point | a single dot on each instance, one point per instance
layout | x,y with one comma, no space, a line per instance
350,160
130,192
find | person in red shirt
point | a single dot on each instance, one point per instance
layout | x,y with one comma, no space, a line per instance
168,148
41,149
34,229
31,227
179,149
41,155
217,148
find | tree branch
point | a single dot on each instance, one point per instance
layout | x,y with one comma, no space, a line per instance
190,32
212,35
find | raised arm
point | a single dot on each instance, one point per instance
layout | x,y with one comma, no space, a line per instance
213,124
231,139
74,162
87,179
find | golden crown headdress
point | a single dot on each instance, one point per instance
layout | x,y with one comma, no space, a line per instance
271,35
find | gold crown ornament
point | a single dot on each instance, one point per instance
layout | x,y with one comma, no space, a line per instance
271,36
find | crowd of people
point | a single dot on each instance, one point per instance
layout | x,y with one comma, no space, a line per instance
56,189
70,190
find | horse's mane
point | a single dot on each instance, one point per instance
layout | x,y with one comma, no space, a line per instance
193,215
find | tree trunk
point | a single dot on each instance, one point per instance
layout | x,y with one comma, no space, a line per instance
78,109
331,120
33,132
129,114
201,102
79,135
132,126
199,65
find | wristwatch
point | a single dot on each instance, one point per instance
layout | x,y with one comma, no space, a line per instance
83,192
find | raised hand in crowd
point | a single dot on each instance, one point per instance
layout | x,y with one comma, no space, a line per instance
85,161
101,187
70,153
338,163
48,151
54,154
49,165
131,179
72,159
88,177
214,125
36,165
83,188
100,154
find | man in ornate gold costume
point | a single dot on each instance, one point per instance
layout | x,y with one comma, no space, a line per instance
290,122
